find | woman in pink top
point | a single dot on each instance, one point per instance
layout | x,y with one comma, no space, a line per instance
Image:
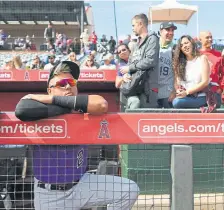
192,73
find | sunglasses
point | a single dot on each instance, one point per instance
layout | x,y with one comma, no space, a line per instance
123,50
64,82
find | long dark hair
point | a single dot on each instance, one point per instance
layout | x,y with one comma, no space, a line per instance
180,60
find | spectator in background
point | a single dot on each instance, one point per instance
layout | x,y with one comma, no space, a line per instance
3,35
103,40
192,73
127,39
112,59
77,46
49,35
166,90
107,63
17,63
93,55
112,45
70,46
72,57
84,37
3,38
61,43
123,53
86,49
37,63
216,64
89,64
28,42
93,41
8,65
74,46
50,65
206,44
19,43
133,43
110,56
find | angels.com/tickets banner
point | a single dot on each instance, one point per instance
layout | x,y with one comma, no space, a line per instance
41,75
120,128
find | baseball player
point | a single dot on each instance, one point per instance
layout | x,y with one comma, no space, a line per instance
60,171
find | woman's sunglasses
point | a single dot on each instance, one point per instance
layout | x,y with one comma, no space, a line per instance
64,82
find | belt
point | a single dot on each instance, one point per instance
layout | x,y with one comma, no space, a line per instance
62,187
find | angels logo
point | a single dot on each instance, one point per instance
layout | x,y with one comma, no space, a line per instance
27,76
104,131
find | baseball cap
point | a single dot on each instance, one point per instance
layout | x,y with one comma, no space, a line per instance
51,56
65,67
166,25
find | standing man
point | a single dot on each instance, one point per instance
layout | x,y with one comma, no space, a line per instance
166,90
49,35
85,37
93,41
61,178
145,58
112,44
216,64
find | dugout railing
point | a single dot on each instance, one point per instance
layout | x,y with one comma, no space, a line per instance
172,173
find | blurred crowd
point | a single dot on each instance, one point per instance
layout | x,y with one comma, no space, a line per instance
88,51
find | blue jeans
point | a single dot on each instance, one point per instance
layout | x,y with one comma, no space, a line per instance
189,102
164,103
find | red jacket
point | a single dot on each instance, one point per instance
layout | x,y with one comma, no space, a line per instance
93,38
217,67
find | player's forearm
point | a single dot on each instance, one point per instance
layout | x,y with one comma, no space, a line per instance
97,105
31,110
93,104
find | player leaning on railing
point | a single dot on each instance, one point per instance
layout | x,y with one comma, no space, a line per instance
61,179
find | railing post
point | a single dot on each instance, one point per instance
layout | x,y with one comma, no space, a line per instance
182,178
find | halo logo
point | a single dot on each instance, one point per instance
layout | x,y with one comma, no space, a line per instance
26,76
104,131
